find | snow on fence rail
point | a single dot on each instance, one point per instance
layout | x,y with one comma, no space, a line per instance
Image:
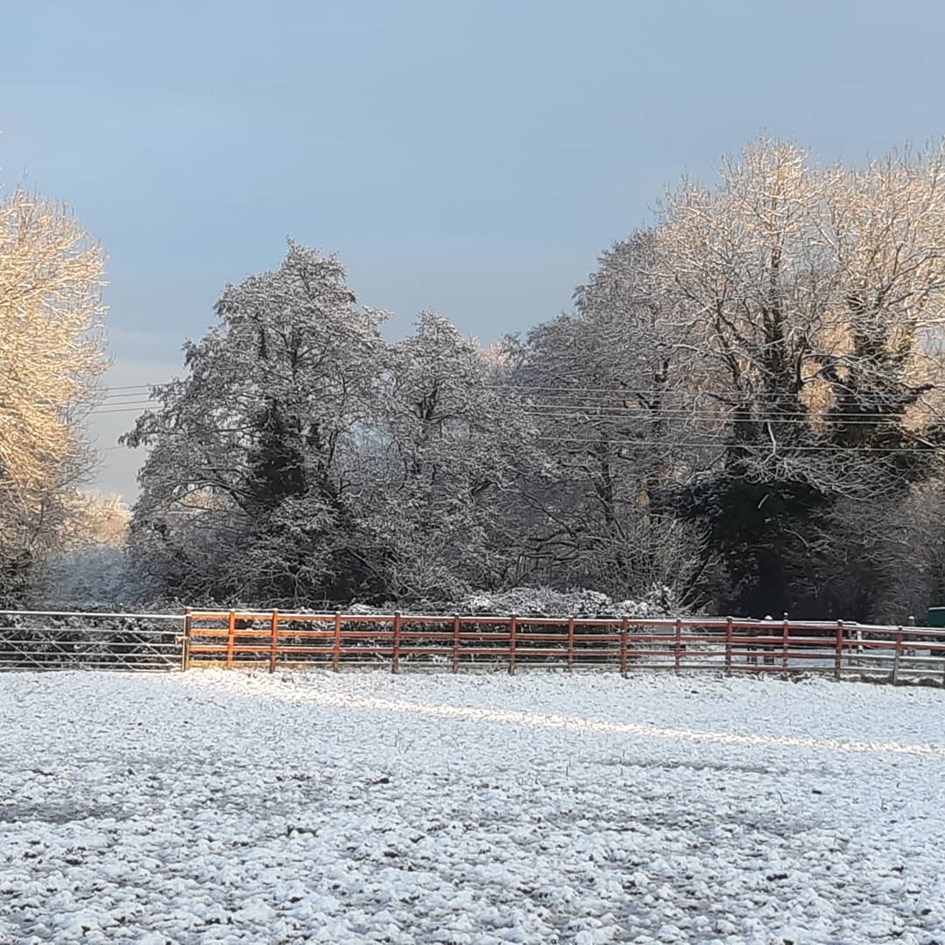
41,640
272,639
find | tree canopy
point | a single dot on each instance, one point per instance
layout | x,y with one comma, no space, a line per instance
732,391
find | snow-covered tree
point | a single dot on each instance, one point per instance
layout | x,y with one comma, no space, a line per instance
603,385
810,300
731,390
50,356
452,442
250,490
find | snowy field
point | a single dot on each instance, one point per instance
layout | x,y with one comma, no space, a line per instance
216,807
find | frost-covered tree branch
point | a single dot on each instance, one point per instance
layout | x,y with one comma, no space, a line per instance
51,353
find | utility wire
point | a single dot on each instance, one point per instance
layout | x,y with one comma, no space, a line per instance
571,389
852,419
139,409
722,444
601,411
651,390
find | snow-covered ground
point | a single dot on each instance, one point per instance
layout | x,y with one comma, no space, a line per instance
215,807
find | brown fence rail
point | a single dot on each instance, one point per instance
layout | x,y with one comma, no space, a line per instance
275,640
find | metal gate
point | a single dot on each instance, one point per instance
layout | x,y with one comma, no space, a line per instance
47,640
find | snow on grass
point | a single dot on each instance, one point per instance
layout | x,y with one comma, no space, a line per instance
218,807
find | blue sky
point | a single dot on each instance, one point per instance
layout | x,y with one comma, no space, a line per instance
472,157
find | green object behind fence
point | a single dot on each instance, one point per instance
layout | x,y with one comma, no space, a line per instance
936,617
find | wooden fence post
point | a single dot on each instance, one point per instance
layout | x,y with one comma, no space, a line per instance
570,644
838,657
513,632
274,642
336,648
897,656
841,643
729,633
395,659
455,643
677,646
185,646
230,639
786,642
624,645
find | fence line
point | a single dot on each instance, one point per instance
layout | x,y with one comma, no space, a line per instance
234,639
274,640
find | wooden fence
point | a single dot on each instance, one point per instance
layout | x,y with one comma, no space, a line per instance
274,640
290,640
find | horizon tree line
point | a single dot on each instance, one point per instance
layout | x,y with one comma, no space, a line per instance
742,412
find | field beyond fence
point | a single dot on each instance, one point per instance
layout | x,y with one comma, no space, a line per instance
272,640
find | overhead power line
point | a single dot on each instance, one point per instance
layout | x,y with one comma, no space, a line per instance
652,390
570,389
642,416
135,409
125,401
723,444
